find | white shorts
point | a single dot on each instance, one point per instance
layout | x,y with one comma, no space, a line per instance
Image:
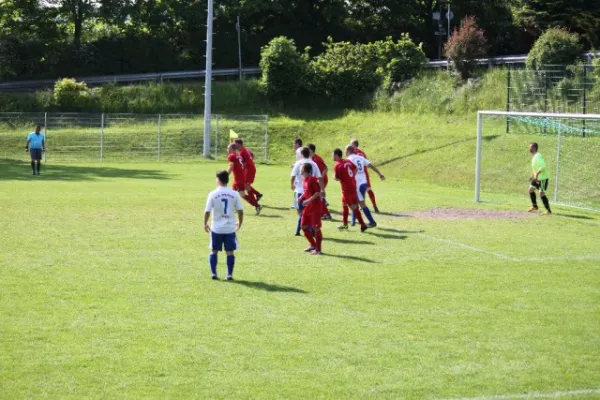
296,197
361,191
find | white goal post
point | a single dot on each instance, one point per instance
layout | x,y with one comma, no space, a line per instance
571,140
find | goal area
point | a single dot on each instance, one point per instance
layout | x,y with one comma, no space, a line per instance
569,143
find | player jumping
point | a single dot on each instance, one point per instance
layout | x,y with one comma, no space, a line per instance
361,180
249,168
236,165
323,169
312,210
344,171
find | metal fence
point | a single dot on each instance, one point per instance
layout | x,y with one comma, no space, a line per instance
556,89
87,137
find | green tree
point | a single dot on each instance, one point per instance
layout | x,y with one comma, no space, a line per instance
555,46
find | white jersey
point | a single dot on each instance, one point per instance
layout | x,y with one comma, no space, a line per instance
223,202
299,155
361,165
297,172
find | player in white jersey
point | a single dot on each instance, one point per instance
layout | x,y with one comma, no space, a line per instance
223,202
296,182
361,180
298,152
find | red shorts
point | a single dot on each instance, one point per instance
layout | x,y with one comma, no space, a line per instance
250,175
238,187
349,198
311,217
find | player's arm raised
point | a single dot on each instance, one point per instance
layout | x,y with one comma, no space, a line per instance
374,168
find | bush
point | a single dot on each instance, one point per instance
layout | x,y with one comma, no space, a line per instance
70,95
283,68
555,46
466,44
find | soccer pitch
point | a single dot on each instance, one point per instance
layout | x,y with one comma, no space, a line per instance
106,293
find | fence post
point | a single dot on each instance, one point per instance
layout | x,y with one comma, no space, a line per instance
266,137
559,145
545,96
217,136
102,137
507,97
46,132
584,105
159,134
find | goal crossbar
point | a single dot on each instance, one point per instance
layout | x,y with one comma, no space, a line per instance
482,113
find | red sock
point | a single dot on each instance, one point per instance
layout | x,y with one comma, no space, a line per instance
254,192
345,213
319,240
359,217
372,196
249,197
325,209
309,236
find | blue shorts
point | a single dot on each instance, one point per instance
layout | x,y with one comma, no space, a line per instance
298,204
220,240
361,191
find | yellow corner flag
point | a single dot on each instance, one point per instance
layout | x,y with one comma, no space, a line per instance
232,135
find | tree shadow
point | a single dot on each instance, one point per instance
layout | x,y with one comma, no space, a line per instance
398,230
354,258
487,138
267,287
21,171
346,241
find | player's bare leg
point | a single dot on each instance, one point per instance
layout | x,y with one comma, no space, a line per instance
213,259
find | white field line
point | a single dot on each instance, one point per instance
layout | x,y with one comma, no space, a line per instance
535,395
574,258
464,246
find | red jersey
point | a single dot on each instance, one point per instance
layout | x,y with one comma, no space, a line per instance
247,157
320,163
345,171
310,184
238,168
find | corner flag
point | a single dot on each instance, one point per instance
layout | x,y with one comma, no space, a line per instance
232,135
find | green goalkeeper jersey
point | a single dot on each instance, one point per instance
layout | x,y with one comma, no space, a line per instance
538,163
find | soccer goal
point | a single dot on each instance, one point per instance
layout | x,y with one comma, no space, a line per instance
569,143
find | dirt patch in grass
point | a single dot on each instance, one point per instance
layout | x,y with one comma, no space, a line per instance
469,213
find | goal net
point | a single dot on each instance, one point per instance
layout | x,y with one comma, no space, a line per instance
569,143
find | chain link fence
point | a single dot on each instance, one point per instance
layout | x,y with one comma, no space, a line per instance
120,137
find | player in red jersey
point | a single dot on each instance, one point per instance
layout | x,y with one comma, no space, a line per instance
344,171
312,210
236,165
323,168
361,153
249,167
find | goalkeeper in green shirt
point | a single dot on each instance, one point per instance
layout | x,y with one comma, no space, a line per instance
539,179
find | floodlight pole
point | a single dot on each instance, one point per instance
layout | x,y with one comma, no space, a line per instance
208,79
239,28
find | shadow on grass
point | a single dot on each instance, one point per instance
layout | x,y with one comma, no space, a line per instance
397,230
278,208
346,241
353,258
19,170
574,216
417,152
395,215
268,287
385,235
269,216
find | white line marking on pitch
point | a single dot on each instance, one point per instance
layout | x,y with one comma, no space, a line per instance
464,246
535,395
574,258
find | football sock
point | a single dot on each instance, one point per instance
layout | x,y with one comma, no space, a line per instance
372,196
251,199
319,239
310,237
39,166
255,192
368,214
33,166
345,212
359,217
533,200
353,219
298,226
230,265
546,203
325,209
213,263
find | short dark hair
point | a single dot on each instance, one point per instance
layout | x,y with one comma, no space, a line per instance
239,141
305,152
354,142
38,127
223,177
535,145
312,147
298,142
338,152
307,168
350,149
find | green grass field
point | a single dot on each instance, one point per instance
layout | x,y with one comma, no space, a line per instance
105,293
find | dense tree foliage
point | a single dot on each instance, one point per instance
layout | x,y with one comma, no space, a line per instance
52,38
